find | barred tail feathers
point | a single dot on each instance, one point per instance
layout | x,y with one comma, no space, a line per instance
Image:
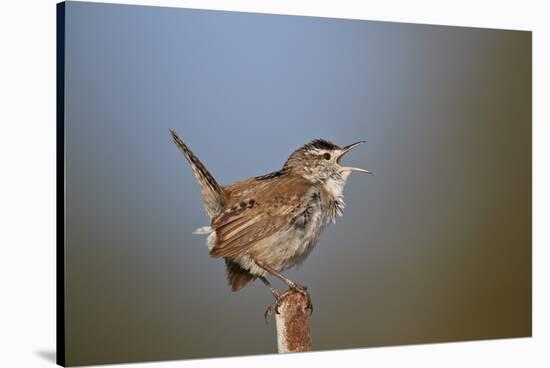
212,193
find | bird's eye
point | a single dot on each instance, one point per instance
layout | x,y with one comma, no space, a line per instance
327,156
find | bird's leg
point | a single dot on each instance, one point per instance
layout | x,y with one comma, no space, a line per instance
276,293
291,284
274,307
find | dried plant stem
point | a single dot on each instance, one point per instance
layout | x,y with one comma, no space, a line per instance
293,333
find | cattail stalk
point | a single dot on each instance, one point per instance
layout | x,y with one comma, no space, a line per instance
293,333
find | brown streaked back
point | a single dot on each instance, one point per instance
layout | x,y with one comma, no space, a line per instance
255,210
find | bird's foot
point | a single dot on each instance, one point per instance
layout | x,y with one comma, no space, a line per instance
303,290
274,307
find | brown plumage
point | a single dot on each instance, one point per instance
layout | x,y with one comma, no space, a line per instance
212,193
237,277
266,224
256,209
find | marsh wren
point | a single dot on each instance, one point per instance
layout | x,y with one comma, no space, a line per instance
266,224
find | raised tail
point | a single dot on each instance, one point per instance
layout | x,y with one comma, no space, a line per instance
212,193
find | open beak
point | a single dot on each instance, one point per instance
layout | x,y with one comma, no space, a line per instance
345,150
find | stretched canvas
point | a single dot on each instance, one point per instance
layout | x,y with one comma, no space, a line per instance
433,246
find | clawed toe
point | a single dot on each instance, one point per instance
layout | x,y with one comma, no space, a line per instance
303,290
309,306
269,311
274,307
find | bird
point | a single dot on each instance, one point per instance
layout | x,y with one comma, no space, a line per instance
264,225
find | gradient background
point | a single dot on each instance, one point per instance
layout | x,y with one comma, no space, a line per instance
435,246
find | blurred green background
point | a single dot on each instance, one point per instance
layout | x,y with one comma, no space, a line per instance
434,247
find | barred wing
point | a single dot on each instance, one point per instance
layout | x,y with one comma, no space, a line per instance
259,210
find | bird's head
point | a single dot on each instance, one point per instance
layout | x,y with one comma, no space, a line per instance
319,162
